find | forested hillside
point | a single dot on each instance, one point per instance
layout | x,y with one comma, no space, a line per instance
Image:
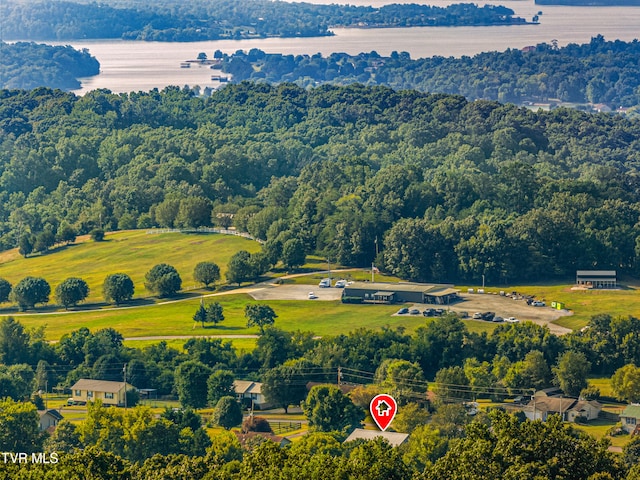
191,20
30,65
596,72
442,188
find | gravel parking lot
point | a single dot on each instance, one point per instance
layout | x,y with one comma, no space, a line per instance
470,303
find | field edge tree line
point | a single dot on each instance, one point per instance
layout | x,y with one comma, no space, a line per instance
430,187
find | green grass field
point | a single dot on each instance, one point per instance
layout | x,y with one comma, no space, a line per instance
132,252
135,252
175,318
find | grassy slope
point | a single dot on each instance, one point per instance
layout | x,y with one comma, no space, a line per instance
132,252
135,252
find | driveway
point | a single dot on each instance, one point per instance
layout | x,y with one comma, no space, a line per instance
295,292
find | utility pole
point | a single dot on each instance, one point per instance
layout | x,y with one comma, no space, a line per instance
124,375
339,375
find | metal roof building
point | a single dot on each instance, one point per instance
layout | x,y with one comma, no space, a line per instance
596,278
378,292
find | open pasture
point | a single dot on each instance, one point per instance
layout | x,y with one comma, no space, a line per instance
133,252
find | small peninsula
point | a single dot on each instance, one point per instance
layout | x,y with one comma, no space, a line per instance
188,21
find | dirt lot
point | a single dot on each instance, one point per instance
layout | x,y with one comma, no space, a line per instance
471,303
295,292
507,307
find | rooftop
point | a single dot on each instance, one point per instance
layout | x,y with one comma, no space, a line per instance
394,438
98,385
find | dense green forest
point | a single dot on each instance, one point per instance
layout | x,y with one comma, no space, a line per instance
596,72
30,65
176,21
439,188
445,441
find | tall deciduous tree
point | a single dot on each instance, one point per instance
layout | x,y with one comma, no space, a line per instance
163,279
31,290
117,288
207,273
327,409
191,383
19,427
227,413
625,383
293,253
285,385
571,372
259,315
71,291
240,268
5,290
220,384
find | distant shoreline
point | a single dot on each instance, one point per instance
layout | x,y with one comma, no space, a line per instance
591,3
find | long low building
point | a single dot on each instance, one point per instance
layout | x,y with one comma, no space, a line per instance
597,278
387,293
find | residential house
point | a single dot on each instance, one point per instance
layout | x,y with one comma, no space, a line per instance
395,439
587,410
110,393
569,409
630,418
49,419
539,408
247,439
249,393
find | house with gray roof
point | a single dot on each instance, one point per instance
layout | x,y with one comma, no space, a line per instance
249,394
394,438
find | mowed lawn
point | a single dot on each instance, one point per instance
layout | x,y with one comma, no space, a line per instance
175,318
132,252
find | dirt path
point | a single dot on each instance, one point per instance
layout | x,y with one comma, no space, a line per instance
187,337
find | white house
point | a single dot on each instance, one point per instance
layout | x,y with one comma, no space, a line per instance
630,417
250,394
49,419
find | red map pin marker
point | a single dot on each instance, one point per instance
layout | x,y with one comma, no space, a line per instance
383,408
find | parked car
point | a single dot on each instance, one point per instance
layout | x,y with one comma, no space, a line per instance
403,311
488,316
341,284
429,312
477,316
414,311
538,303
497,319
312,296
439,311
463,314
511,320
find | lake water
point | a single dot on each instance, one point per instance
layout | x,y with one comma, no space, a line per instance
140,66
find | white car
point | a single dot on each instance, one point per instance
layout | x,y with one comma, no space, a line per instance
312,296
511,320
341,284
